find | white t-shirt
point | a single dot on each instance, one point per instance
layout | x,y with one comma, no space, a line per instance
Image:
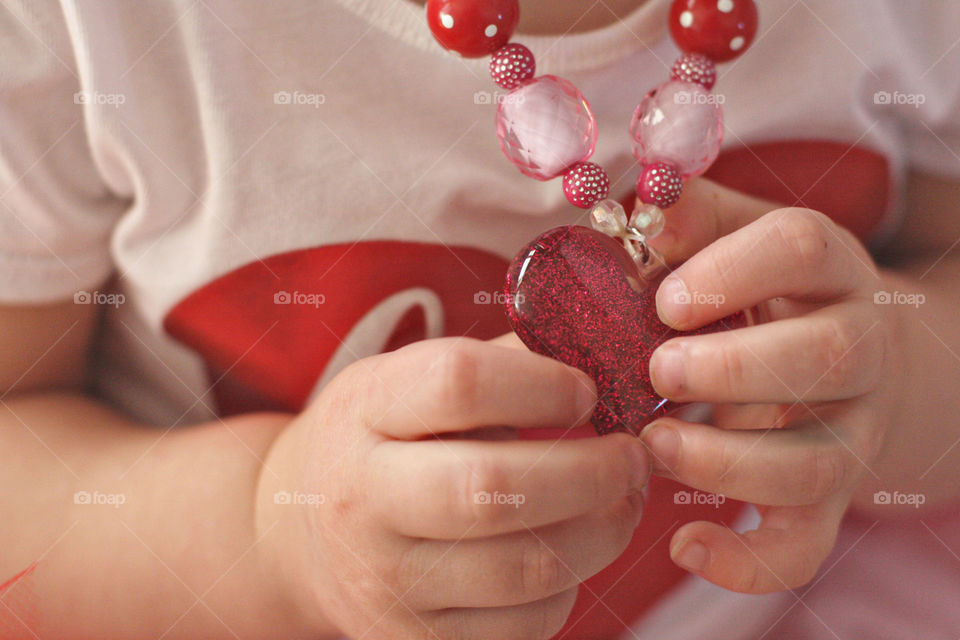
281,187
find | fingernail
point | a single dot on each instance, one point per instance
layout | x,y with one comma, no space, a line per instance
667,370
664,445
691,555
673,301
642,468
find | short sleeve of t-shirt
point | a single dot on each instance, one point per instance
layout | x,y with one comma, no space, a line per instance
56,213
924,90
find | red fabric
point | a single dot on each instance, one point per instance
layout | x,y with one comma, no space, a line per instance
270,356
849,184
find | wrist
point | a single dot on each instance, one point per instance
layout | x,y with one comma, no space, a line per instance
282,528
903,403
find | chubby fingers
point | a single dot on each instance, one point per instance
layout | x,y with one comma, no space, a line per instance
796,253
450,489
793,466
785,552
833,353
459,384
523,566
537,620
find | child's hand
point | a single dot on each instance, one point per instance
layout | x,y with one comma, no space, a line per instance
472,535
825,365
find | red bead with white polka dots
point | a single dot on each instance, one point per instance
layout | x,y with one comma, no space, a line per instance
696,68
585,184
512,65
659,184
719,29
473,28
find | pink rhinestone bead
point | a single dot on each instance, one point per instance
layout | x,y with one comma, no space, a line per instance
659,184
679,123
545,126
512,65
696,68
586,184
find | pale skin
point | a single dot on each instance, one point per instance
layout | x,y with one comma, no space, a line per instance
400,548
398,520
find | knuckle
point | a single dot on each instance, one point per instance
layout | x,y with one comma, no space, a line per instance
843,353
720,258
750,580
483,479
339,397
822,472
728,466
873,350
802,233
732,368
872,442
541,572
455,375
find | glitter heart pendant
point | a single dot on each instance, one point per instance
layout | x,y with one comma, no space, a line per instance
576,295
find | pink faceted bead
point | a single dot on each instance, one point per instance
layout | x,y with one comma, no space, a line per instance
545,126
586,184
679,123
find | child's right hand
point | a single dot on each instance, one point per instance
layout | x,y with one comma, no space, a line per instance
461,536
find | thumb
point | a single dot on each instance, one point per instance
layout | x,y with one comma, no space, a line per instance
706,211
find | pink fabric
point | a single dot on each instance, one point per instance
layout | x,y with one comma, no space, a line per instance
886,579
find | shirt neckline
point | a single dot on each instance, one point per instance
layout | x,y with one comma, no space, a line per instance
638,31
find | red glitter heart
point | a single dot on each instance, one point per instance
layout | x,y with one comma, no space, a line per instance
575,294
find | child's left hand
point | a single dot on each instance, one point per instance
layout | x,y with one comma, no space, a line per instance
825,364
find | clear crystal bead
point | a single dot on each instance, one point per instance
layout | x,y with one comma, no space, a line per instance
608,216
648,219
